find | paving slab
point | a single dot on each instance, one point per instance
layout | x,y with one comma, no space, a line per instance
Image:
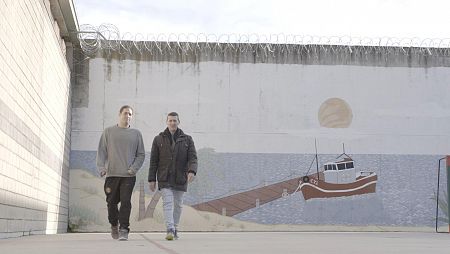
233,242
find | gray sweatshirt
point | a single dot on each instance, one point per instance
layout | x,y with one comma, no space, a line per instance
120,149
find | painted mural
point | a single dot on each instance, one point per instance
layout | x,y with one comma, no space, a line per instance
335,179
378,129
239,196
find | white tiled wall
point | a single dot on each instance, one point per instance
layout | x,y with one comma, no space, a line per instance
34,103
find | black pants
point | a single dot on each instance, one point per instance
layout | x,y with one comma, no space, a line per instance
119,189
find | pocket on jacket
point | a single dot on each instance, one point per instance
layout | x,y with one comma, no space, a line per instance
162,175
181,178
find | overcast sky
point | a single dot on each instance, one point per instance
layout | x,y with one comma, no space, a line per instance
356,18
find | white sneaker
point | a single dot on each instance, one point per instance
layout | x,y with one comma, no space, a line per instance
170,235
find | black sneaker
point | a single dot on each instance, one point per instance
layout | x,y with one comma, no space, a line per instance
115,232
175,234
123,234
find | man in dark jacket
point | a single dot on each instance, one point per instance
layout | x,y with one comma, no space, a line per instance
173,163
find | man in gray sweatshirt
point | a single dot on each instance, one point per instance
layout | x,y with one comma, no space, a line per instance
120,155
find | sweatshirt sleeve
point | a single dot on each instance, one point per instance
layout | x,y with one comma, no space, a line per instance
140,154
102,153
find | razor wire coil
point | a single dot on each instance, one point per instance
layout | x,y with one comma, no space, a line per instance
107,37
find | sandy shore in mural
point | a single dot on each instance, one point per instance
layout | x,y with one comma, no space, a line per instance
87,213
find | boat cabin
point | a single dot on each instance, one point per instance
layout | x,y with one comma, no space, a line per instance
340,172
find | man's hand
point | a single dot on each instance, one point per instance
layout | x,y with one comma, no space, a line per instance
152,186
131,172
190,177
102,173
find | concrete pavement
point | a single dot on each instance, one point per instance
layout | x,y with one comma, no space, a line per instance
229,242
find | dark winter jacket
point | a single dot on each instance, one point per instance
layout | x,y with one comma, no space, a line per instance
170,165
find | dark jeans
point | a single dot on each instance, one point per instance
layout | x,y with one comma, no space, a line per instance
119,189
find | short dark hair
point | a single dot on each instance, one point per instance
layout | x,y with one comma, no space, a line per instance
173,114
124,107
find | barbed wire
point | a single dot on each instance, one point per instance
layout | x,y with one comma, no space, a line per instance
107,37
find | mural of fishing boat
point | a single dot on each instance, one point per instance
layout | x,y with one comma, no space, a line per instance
338,179
335,179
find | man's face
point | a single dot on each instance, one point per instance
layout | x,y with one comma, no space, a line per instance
172,123
125,116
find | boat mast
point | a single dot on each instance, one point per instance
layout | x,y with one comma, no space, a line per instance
317,160
343,153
